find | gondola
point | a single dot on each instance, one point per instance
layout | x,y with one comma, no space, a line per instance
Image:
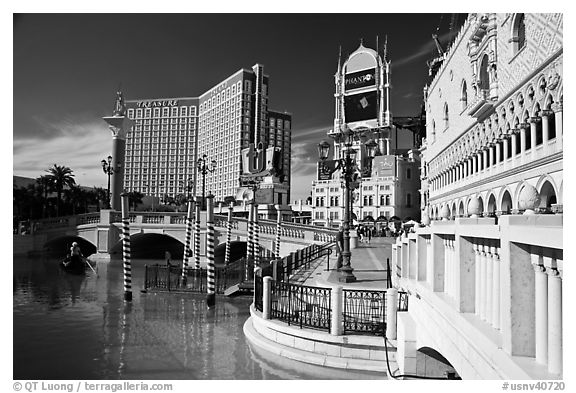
75,264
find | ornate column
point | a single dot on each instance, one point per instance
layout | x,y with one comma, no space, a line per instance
490,155
557,108
446,268
119,125
498,149
483,250
489,283
523,130
476,248
541,306
514,142
545,115
533,130
506,141
554,315
475,163
485,158
496,288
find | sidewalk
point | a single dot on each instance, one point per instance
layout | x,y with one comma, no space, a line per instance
368,262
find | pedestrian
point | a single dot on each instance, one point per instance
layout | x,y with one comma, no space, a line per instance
339,246
369,234
360,233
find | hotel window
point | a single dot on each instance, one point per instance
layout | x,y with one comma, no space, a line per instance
464,95
156,112
408,200
518,39
138,113
147,113
131,113
175,111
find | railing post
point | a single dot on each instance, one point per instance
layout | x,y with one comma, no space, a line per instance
266,297
336,307
391,312
257,272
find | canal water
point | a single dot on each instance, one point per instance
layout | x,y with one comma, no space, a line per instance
79,327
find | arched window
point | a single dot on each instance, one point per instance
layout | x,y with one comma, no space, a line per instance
464,95
484,74
446,116
518,39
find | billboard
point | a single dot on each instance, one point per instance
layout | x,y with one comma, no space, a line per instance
325,169
383,166
264,196
362,106
356,80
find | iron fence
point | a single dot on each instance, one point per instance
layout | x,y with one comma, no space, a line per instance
301,305
364,311
402,301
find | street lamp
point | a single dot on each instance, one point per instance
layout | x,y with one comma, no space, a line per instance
349,169
109,170
204,167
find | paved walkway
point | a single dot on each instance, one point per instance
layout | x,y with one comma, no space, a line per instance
367,260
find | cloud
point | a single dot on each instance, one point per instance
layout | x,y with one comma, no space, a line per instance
316,133
427,51
80,144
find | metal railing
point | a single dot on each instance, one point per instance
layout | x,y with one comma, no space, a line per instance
364,311
301,305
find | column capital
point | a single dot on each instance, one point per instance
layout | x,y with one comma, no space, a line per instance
546,112
535,120
523,126
557,106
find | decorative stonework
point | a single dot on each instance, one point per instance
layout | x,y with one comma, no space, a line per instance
529,199
445,213
474,207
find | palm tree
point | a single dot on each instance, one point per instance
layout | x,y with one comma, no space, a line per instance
100,196
44,184
60,176
134,199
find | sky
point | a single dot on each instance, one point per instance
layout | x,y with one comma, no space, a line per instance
68,66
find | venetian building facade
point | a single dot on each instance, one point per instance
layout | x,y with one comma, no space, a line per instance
494,117
389,183
488,257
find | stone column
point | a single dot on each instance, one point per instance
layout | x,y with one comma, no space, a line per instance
514,142
266,297
489,283
557,108
541,306
447,288
554,316
498,151
490,155
533,130
545,115
391,312
506,141
336,327
119,126
496,288
476,279
485,158
523,131
483,282
475,163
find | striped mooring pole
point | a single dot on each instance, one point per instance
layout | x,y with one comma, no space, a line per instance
187,250
197,207
126,248
250,245
256,231
211,298
228,234
278,231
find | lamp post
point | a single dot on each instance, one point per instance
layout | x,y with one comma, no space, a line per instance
204,167
349,168
109,170
188,186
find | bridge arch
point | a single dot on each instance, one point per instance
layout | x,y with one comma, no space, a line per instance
432,363
60,245
151,246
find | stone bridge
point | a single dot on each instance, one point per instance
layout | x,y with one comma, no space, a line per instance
152,234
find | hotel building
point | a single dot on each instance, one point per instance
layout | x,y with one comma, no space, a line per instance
490,257
389,190
169,135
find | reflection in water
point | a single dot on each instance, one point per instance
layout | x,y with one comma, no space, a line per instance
79,327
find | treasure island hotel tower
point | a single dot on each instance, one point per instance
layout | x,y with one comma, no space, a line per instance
170,135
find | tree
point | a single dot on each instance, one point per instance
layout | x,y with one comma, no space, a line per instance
134,199
100,196
60,176
45,186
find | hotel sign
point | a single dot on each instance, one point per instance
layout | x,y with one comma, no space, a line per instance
356,80
384,166
156,103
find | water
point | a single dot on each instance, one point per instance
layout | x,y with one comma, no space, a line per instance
79,327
